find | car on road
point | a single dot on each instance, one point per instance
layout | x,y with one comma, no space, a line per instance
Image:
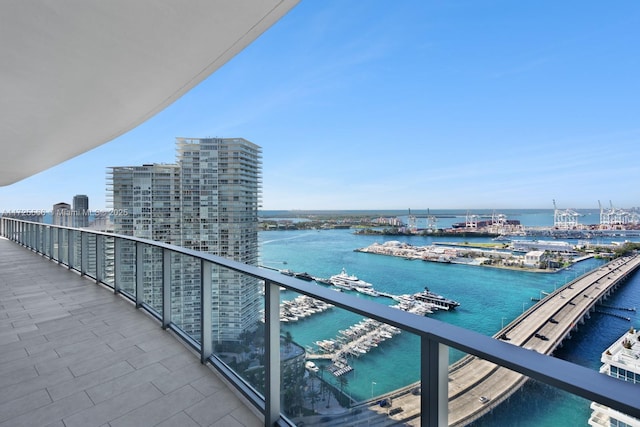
483,399
395,411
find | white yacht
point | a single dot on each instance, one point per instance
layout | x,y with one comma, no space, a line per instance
346,281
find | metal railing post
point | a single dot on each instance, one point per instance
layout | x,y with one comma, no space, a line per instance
23,235
37,243
71,253
206,344
59,237
84,252
99,258
166,288
51,233
30,234
117,265
139,274
272,353
434,379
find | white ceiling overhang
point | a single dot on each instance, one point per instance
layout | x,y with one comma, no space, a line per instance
75,74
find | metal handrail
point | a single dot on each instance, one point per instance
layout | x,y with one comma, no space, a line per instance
436,336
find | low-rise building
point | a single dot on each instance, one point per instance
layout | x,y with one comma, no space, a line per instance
533,258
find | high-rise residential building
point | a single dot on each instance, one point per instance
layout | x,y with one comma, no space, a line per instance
220,192
621,360
145,201
207,201
80,210
61,214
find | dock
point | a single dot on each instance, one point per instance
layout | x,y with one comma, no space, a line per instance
359,339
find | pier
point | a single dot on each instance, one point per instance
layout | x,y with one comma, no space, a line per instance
360,338
477,386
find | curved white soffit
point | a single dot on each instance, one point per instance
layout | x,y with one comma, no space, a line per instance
75,74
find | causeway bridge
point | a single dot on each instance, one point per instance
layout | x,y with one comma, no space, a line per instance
477,386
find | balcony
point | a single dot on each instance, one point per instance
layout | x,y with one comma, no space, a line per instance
96,342
71,352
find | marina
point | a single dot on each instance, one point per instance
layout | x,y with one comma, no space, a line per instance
355,341
359,339
488,297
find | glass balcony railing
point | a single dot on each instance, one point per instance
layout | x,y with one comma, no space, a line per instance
206,300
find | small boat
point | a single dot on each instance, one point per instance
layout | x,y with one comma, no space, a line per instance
368,291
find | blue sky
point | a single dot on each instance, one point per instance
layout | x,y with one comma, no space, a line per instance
410,104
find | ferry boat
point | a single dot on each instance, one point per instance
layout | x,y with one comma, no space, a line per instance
435,299
346,281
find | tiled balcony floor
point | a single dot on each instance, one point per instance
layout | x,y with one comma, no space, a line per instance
74,354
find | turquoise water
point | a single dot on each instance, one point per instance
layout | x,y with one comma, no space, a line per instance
488,297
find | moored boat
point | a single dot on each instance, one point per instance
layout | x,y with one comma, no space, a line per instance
435,299
304,276
346,281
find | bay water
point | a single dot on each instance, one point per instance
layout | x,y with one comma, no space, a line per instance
489,298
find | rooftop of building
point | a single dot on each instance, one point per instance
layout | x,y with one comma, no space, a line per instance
625,351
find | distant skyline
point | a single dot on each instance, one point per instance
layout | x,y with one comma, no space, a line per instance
441,105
